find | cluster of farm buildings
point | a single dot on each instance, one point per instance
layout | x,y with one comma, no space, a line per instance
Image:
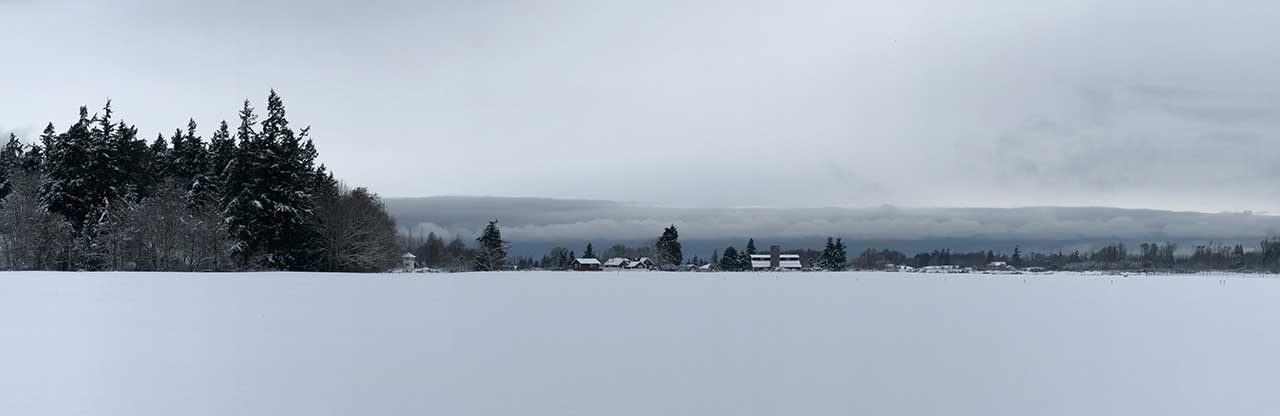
774,260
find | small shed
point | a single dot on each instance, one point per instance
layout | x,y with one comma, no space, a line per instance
408,262
586,265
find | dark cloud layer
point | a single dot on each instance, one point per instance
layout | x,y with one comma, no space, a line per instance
532,219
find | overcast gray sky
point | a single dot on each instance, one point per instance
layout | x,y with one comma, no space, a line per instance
1169,105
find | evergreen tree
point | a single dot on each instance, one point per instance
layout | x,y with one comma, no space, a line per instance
751,246
10,164
826,260
432,252
189,158
157,161
66,189
131,164
590,253
558,258
668,247
493,250
222,150
839,256
459,257
270,186
1016,259
730,261
241,211
207,189
33,159
834,256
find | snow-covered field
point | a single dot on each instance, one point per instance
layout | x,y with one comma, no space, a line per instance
546,343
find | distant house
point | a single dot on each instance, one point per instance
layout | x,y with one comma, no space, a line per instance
946,268
586,265
775,260
643,263
408,262
616,263
761,262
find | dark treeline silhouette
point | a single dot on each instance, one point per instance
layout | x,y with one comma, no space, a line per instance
95,196
1148,256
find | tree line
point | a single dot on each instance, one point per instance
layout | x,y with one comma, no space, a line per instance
1149,256
96,196
667,253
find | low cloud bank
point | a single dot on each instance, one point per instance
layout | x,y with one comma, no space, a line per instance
536,219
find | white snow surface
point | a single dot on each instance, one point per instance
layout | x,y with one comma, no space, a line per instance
636,343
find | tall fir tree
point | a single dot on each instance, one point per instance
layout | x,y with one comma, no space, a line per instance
67,186
589,253
668,247
189,158
132,164
492,254
839,256
207,190
827,260
269,201
241,210
10,164
158,160
751,246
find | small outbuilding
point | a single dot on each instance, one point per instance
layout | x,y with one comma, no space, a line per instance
586,265
408,262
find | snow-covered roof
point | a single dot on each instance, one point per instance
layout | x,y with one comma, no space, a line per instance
616,262
587,261
408,256
638,263
785,261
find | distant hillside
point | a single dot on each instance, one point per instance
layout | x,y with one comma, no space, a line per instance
537,224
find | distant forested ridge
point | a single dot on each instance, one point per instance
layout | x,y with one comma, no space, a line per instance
95,196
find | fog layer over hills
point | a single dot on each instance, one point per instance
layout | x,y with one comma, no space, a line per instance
534,224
